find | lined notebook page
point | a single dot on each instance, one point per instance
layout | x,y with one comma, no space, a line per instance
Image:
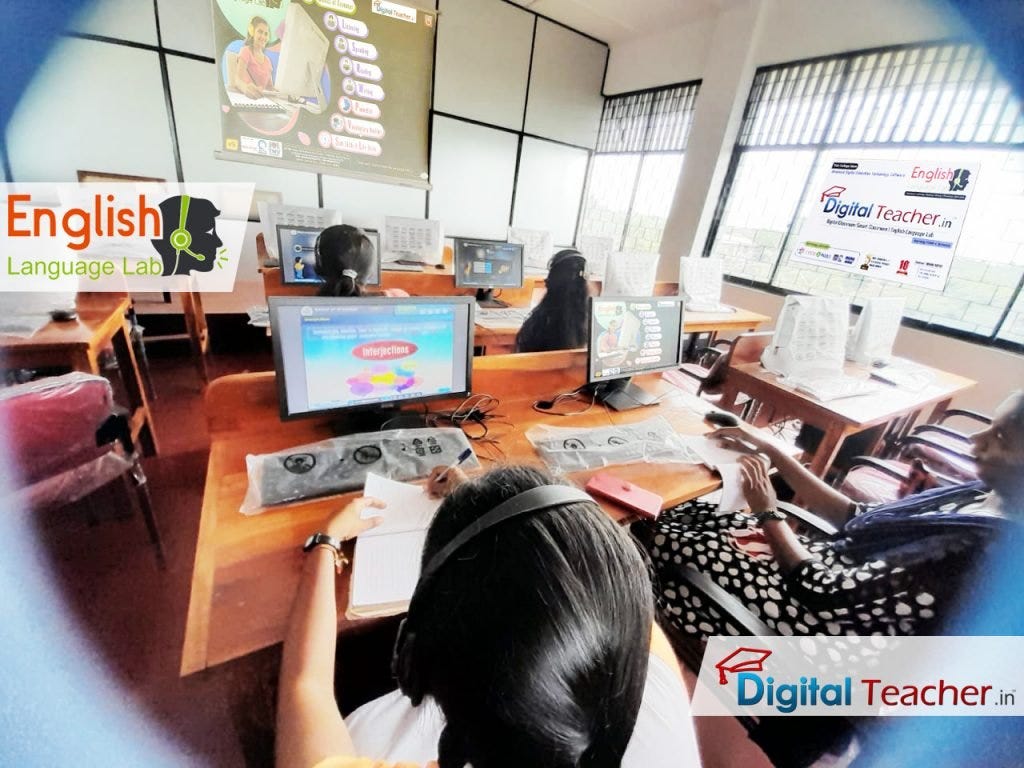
387,558
386,569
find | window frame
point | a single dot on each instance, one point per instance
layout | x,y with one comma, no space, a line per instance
822,145
641,154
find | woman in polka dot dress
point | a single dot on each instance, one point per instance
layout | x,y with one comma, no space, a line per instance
892,569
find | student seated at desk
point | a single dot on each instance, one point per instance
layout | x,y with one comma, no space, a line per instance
529,642
344,258
892,569
560,320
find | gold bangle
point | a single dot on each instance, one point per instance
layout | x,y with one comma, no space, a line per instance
339,558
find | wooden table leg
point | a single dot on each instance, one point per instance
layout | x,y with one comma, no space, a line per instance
195,327
940,408
86,360
142,419
827,449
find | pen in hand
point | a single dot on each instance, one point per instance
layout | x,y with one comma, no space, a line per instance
462,457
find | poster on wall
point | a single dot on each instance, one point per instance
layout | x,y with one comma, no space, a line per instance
895,221
331,86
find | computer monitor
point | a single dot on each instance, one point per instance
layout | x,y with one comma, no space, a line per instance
872,337
273,214
361,358
300,64
632,335
298,248
486,265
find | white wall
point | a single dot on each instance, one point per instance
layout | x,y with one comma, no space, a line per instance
792,29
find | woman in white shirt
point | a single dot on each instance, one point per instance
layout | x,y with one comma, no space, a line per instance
529,642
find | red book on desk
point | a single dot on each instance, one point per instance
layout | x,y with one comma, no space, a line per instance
631,496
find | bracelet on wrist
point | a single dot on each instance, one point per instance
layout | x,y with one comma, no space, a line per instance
770,514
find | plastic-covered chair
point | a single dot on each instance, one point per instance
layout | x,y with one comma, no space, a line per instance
931,455
66,439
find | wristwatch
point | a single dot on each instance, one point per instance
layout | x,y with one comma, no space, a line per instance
771,514
323,540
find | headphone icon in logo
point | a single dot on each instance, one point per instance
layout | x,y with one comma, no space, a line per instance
181,238
192,245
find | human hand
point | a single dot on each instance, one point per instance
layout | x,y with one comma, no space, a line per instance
757,488
347,524
743,438
252,91
438,486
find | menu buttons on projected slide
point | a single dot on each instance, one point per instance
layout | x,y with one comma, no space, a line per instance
362,90
357,146
358,108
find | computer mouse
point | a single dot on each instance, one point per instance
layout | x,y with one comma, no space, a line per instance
63,315
721,419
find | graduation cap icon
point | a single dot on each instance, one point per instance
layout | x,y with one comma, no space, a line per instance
742,660
833,191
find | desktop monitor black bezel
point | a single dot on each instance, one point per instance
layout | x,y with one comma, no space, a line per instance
590,337
274,304
462,282
373,234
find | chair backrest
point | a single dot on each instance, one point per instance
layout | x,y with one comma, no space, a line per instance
748,347
46,422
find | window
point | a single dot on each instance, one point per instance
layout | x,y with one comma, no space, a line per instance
909,103
636,165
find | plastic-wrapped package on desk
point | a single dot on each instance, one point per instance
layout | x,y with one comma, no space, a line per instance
340,464
573,449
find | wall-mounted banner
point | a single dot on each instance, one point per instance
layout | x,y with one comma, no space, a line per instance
861,676
331,86
121,236
895,221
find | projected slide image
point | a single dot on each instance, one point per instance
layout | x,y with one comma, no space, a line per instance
354,360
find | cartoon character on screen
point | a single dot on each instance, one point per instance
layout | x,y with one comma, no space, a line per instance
611,338
190,240
300,267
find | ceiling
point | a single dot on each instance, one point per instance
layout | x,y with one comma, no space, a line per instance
617,20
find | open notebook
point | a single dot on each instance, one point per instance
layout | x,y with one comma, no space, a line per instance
387,558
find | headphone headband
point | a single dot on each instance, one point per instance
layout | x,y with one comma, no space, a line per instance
534,500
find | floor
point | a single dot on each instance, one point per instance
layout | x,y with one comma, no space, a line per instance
134,614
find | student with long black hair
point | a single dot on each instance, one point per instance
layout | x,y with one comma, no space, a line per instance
529,642
560,320
344,259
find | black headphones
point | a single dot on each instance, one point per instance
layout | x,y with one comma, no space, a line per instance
534,500
570,254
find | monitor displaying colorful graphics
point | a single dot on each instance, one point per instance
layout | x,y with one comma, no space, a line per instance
297,246
334,354
634,335
488,264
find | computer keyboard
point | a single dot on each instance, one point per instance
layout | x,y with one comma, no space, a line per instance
398,266
834,387
501,316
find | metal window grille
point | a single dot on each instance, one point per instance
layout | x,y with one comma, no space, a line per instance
648,121
922,94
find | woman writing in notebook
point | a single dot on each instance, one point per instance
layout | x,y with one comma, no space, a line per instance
529,642
254,73
345,259
894,569
560,320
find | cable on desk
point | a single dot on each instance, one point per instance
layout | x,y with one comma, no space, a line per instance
546,406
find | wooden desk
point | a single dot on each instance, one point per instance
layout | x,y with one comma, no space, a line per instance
77,345
502,341
247,568
841,418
